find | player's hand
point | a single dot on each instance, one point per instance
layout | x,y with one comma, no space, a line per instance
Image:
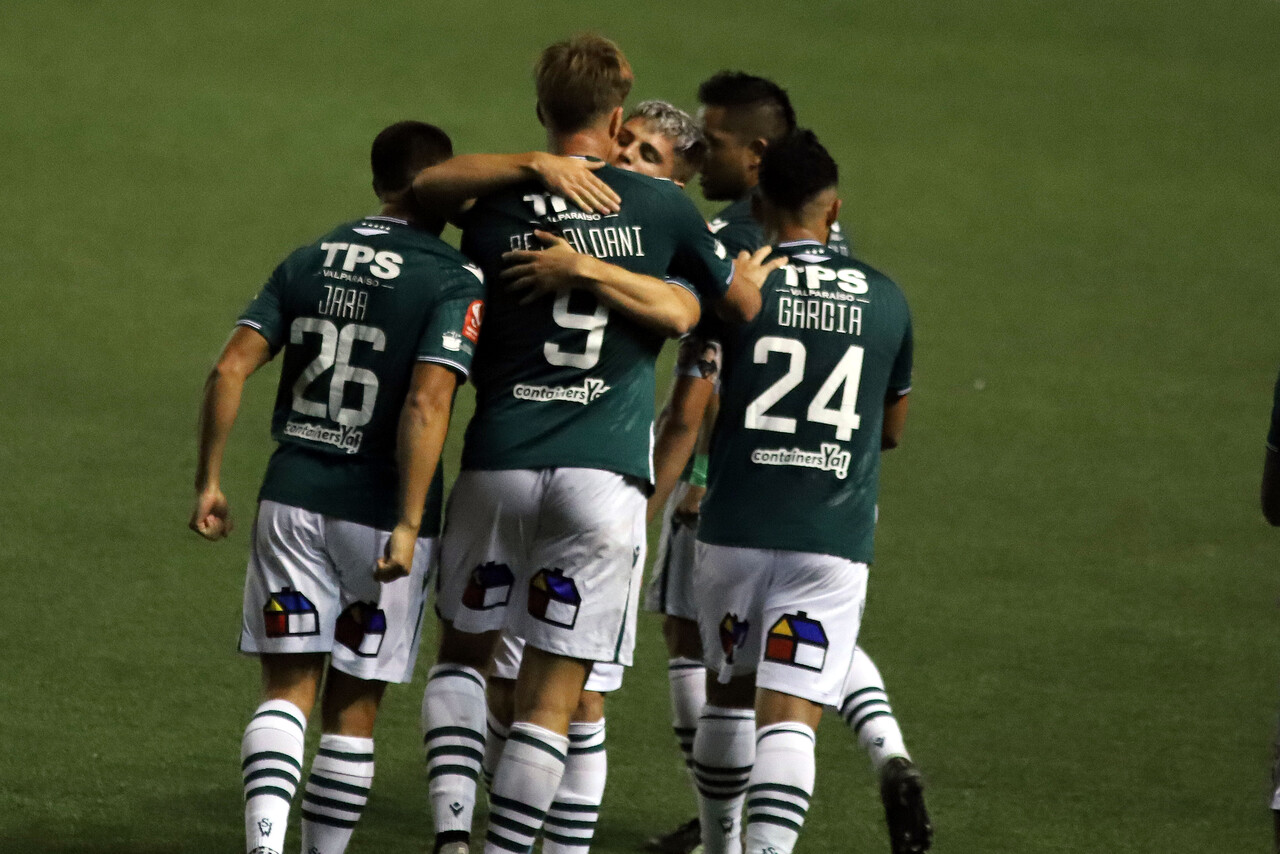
552,270
575,180
688,507
211,517
397,560
752,269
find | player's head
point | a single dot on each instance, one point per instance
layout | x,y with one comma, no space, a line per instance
661,140
404,149
798,181
741,115
581,85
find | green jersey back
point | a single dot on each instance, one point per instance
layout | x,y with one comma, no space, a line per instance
564,381
738,230
354,312
795,456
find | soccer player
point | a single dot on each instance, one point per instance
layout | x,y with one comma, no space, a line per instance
1270,499
378,320
813,390
742,115
544,532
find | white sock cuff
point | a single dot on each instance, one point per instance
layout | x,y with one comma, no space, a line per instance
586,737
680,663
530,744
460,676
344,754
281,715
724,713
782,730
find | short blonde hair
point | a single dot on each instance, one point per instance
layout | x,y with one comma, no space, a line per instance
580,80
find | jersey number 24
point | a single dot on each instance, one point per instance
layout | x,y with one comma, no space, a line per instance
846,375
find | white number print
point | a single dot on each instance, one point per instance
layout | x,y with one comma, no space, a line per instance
593,324
847,374
335,352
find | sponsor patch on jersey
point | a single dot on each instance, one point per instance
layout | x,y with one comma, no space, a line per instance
489,586
361,628
451,341
798,640
471,325
829,457
554,598
733,634
590,389
288,613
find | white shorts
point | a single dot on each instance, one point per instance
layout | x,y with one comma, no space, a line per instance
670,590
603,677
790,617
552,555
310,582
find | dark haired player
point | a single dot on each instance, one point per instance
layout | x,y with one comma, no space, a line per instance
813,390
378,320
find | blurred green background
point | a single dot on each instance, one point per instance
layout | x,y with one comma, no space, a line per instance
1074,605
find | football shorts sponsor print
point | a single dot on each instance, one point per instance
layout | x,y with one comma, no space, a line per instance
310,588
553,555
791,617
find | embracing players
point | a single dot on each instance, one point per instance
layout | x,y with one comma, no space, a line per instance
378,321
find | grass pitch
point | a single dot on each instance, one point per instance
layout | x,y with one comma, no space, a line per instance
1074,600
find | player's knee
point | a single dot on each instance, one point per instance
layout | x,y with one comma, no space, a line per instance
590,708
738,693
683,640
502,699
469,650
294,677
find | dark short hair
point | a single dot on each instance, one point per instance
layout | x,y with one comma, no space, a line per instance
739,90
580,80
796,169
403,150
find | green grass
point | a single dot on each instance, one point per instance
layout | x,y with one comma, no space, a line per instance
1074,605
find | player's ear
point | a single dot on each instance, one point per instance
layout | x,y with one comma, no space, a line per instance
615,122
757,148
537,108
833,212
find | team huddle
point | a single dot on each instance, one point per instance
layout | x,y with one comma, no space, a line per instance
576,265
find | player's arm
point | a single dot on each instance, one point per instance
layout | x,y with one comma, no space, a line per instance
668,308
424,422
244,353
895,421
446,187
741,303
677,436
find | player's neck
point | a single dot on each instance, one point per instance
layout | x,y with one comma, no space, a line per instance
591,142
398,211
794,232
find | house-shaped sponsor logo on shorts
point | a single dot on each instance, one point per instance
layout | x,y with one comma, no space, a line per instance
288,613
489,586
797,639
361,629
733,634
554,598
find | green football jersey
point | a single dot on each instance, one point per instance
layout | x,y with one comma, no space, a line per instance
738,230
563,381
795,456
354,312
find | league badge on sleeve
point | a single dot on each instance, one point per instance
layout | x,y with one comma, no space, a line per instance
554,598
289,613
798,640
489,587
471,326
361,628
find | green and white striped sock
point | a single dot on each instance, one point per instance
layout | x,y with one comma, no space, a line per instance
336,793
271,762
780,787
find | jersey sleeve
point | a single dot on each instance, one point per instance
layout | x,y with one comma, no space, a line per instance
900,374
741,237
266,312
451,333
699,257
1273,435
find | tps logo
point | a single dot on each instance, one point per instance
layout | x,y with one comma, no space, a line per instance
384,264
361,629
733,634
288,613
554,598
798,640
489,587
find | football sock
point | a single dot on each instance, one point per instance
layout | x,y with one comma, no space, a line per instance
780,788
453,715
524,787
866,710
271,761
571,821
336,792
688,680
723,753
495,739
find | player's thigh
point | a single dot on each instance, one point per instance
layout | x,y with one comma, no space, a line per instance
811,616
380,626
506,657
489,523
291,596
731,584
586,564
